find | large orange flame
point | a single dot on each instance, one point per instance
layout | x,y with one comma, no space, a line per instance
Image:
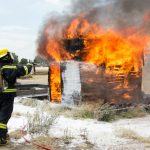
109,46
55,83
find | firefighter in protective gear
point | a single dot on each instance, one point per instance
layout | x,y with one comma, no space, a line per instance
8,75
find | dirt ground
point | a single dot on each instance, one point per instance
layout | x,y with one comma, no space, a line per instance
41,77
18,147
35,79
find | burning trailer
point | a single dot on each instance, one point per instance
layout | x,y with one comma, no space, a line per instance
72,82
92,61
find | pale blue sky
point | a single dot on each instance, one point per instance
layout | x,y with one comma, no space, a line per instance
21,20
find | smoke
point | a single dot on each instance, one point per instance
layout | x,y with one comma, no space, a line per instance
130,12
117,14
52,29
112,13
135,6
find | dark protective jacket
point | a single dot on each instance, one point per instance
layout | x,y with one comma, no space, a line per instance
10,73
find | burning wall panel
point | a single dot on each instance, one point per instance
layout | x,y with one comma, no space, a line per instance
64,83
80,82
100,84
55,83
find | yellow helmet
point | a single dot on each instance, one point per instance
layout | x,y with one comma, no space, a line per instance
3,52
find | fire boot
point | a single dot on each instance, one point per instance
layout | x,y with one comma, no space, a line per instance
3,141
3,134
7,137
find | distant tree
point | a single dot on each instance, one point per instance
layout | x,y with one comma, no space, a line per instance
40,61
24,61
16,61
30,61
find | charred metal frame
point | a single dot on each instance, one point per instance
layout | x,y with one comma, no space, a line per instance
31,91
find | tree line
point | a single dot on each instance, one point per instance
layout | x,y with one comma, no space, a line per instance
37,60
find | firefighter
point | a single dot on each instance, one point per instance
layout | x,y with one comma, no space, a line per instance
8,75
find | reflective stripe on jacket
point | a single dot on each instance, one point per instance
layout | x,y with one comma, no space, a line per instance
10,73
3,126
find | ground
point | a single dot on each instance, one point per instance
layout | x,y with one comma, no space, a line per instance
98,134
123,134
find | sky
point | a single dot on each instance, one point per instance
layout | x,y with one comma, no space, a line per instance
21,21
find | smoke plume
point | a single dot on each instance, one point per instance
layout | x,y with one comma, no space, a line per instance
117,14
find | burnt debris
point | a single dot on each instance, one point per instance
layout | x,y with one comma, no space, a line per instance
72,45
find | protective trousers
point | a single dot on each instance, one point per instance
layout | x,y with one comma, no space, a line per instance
6,108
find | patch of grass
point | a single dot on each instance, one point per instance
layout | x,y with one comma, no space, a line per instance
108,113
26,77
16,134
105,112
40,122
101,112
133,113
23,147
29,102
16,114
48,141
62,143
81,112
85,146
130,134
67,136
84,111
87,143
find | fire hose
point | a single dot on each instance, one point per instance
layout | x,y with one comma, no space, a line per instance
33,143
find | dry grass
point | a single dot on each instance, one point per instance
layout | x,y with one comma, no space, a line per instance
61,143
83,111
39,122
105,112
16,134
87,143
29,102
101,112
26,77
17,114
133,113
67,138
23,147
48,141
130,134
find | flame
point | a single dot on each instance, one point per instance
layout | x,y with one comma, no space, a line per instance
119,51
55,83
127,96
110,47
